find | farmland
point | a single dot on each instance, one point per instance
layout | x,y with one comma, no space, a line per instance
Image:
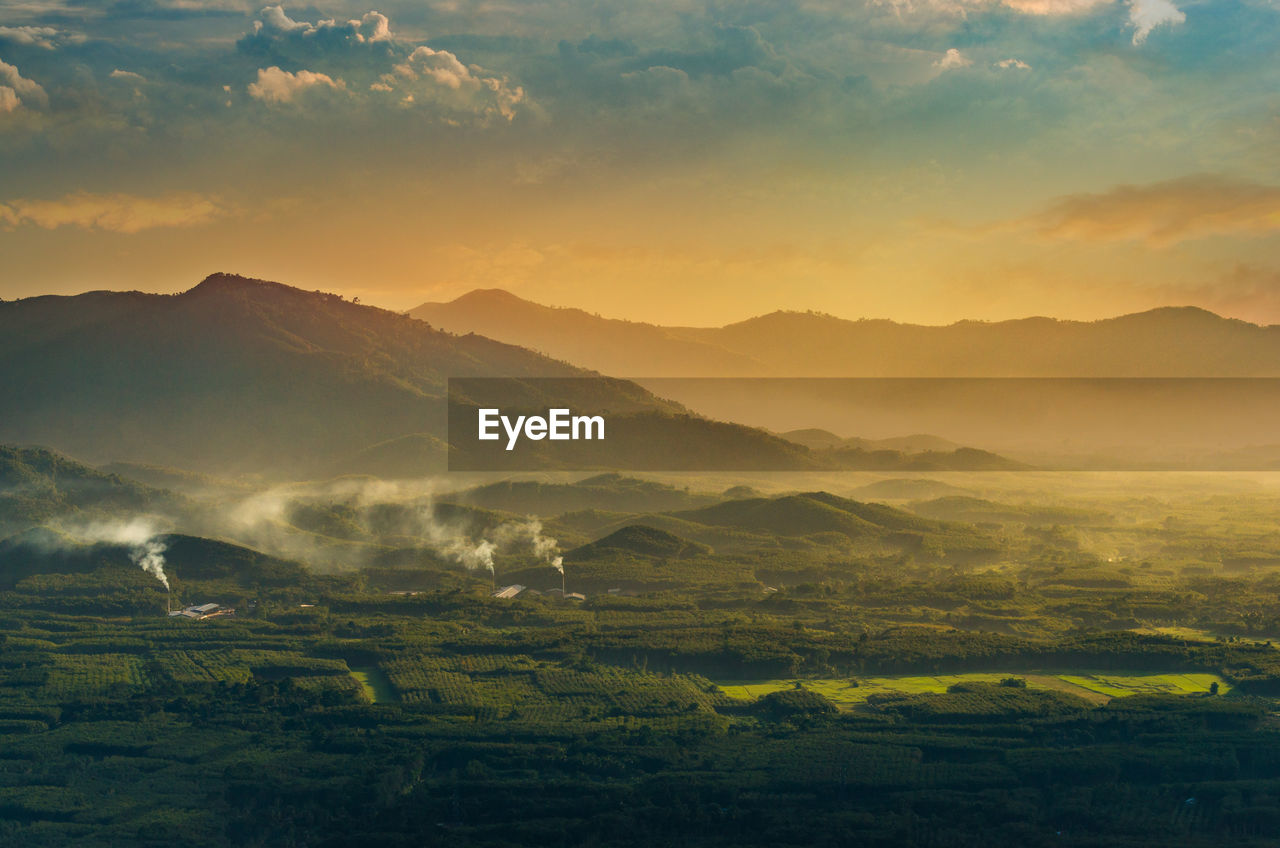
853,692
914,683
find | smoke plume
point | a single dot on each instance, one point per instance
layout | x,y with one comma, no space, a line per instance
146,547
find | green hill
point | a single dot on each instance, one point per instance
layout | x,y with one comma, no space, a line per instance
38,484
639,540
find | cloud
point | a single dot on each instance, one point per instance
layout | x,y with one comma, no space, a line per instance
1054,7
275,86
16,90
442,77
952,59
1146,15
275,33
1014,64
127,75
1162,214
366,52
36,36
118,213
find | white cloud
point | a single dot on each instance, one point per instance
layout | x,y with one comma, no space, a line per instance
1146,15
127,75
952,59
1013,64
275,86
119,213
36,36
372,27
367,55
21,91
440,65
451,82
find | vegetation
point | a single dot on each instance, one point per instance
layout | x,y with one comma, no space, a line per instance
782,668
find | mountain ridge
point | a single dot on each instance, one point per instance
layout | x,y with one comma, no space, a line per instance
1181,341
243,376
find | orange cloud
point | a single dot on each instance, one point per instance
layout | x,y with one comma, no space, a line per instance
120,213
1162,214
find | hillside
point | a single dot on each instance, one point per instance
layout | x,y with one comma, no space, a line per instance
1182,342
38,484
242,376
808,513
639,540
612,492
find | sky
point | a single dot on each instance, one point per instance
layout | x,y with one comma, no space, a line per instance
674,161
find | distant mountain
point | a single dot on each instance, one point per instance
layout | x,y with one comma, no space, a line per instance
903,453
613,492
907,489
821,518
817,439
609,345
1173,341
970,509
808,513
243,376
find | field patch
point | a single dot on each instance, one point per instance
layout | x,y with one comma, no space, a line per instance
1097,687
375,685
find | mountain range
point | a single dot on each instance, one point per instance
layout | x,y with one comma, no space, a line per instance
242,376
245,376
1171,341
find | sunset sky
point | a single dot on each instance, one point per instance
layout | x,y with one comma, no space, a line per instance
674,161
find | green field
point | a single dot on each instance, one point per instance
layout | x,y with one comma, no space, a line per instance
1093,686
375,685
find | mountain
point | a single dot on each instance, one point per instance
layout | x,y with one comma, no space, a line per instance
907,489
609,345
808,513
1171,341
243,376
639,540
903,453
817,439
975,510
613,492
